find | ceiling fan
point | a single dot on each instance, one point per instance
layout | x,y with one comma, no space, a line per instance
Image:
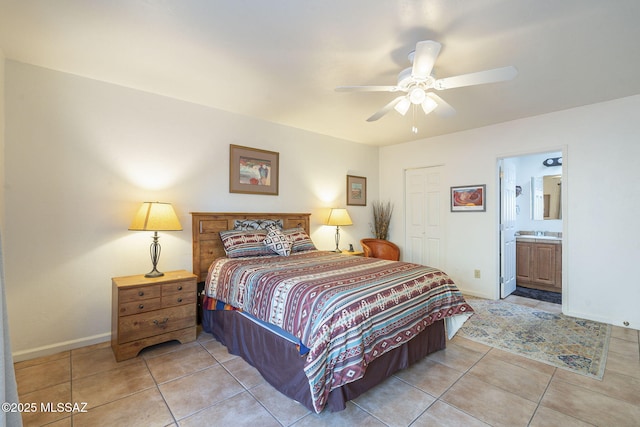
418,83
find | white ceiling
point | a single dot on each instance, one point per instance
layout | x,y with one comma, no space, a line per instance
280,60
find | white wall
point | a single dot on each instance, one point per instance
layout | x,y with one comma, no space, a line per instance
601,244
2,144
81,155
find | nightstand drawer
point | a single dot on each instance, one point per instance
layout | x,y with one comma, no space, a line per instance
139,293
178,299
135,307
188,286
157,322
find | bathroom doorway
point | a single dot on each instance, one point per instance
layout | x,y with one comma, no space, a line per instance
531,225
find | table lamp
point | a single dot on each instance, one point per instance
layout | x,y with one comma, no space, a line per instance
155,216
338,217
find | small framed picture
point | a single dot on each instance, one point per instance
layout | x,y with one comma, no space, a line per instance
356,190
468,198
253,171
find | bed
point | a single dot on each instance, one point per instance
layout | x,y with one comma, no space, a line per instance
321,327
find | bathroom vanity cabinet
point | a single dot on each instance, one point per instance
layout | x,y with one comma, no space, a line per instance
539,264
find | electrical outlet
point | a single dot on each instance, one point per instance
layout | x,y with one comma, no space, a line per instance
476,274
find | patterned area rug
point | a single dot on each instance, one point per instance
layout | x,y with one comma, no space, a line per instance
570,343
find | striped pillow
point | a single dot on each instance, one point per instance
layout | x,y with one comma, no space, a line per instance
300,240
241,243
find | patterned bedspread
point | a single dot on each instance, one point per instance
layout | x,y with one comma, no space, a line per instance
347,310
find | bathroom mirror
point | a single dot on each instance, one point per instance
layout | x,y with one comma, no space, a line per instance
546,200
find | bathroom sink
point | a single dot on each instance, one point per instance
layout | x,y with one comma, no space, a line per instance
531,236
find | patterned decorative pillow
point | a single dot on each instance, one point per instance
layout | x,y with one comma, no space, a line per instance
300,240
239,243
256,224
277,241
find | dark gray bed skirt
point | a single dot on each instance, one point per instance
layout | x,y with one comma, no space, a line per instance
281,365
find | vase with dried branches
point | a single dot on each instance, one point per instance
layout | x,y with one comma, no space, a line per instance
381,218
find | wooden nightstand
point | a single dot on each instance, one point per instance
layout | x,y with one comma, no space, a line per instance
356,253
149,311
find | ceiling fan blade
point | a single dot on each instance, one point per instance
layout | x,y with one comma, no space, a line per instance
384,110
367,89
443,109
481,77
424,58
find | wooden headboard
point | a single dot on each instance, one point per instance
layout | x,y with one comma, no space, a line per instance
206,226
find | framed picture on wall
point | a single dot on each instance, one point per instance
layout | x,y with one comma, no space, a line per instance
253,171
356,190
468,198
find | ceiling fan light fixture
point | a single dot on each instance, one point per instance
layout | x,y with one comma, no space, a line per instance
403,106
429,105
419,83
417,95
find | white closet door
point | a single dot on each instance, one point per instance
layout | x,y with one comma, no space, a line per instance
424,201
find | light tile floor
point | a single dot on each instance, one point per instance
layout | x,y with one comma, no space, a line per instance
200,384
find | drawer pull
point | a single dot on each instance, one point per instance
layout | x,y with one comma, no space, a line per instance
141,306
179,299
161,324
141,293
180,287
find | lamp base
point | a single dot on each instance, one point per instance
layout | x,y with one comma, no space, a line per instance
154,273
337,249
155,256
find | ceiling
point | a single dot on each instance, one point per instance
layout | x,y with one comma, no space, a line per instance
281,60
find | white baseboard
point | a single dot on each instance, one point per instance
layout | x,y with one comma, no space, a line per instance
477,295
47,350
587,316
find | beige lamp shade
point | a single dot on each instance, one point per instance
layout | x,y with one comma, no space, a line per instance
156,216
339,217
